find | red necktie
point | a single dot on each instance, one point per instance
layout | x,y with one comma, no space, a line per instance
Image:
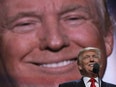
92,80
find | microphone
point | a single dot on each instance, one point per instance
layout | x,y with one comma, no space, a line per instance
96,67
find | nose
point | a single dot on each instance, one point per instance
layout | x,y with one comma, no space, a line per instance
55,39
91,58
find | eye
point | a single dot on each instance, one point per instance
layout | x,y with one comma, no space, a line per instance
76,17
73,20
86,57
96,56
25,25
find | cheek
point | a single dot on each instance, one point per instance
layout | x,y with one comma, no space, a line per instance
16,46
84,63
86,35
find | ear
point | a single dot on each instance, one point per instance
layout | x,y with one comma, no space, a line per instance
109,41
101,65
79,66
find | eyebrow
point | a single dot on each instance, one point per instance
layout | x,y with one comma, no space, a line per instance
74,7
21,15
64,9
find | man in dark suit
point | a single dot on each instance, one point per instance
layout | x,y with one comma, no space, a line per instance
89,64
80,83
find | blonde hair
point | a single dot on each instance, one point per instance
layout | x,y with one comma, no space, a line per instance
104,15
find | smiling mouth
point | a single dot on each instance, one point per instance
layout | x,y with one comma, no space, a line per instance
59,64
56,64
91,65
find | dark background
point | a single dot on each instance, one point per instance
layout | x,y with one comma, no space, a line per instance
112,8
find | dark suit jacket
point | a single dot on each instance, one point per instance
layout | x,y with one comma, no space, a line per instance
80,83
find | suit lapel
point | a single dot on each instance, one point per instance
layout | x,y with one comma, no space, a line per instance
103,84
80,83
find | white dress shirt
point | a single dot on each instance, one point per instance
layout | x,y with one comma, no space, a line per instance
88,83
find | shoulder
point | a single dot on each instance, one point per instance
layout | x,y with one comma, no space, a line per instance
69,84
108,84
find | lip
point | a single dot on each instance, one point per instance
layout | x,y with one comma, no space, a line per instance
55,67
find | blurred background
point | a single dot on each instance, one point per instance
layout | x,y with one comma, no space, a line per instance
110,74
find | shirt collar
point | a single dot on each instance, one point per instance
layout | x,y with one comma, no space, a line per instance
86,79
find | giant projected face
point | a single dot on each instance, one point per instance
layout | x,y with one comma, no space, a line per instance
111,4
41,40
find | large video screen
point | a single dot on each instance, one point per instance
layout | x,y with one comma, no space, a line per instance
43,43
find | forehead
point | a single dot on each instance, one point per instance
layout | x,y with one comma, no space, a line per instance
45,5
91,52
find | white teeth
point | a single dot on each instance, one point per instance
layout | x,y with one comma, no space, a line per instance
91,65
59,64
